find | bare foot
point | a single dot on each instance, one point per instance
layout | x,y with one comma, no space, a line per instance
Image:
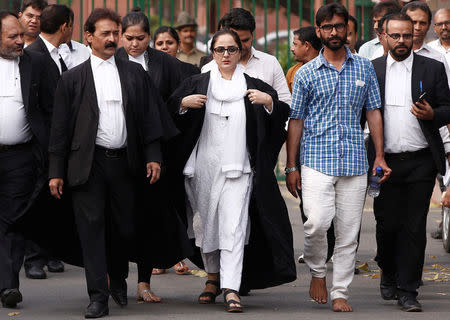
341,305
145,294
318,290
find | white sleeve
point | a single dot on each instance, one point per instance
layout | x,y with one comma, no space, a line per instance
280,84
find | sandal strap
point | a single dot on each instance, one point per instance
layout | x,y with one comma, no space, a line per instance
208,294
213,282
229,291
233,301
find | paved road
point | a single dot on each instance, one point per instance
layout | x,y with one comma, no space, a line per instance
63,296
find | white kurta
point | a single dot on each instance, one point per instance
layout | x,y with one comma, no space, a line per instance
219,199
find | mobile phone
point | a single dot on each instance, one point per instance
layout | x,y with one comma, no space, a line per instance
421,97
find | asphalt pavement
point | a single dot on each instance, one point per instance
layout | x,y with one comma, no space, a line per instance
64,297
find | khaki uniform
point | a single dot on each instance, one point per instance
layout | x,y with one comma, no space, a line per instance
192,57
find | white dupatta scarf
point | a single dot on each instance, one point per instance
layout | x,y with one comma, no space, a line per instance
226,99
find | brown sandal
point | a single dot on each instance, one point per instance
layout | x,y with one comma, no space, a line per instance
210,296
228,303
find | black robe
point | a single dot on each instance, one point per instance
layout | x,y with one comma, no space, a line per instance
269,256
74,128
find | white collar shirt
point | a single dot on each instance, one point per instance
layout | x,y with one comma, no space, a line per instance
368,49
426,51
14,125
54,53
265,67
437,45
75,56
402,132
139,59
111,133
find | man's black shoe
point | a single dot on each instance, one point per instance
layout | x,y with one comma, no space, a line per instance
388,292
35,272
10,298
118,291
388,287
55,266
409,304
96,310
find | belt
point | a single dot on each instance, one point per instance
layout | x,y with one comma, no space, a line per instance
6,147
407,155
111,153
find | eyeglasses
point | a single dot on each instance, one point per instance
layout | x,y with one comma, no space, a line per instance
397,36
221,50
443,23
329,27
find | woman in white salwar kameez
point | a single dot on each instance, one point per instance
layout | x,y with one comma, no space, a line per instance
218,173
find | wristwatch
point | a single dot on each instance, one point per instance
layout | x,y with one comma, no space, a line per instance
289,170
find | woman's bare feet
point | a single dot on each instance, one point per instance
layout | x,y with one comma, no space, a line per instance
318,290
341,305
144,293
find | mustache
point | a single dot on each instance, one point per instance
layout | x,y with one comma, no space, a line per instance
336,38
111,45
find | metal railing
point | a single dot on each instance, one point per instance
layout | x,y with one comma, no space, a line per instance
291,14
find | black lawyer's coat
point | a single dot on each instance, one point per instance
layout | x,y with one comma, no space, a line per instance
73,135
271,243
165,71
38,108
434,82
51,68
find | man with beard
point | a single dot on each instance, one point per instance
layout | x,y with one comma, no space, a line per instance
442,29
414,92
25,110
104,144
329,95
420,14
30,18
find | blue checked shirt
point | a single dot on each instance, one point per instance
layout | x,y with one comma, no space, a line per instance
331,102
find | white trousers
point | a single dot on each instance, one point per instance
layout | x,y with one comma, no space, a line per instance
341,200
228,262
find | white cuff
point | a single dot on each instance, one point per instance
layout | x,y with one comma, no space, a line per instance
182,111
267,110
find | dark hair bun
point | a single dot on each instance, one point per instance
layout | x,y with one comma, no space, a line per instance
136,9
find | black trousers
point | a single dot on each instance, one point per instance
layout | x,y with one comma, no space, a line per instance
401,212
35,255
104,212
17,180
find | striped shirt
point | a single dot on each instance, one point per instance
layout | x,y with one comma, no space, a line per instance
331,102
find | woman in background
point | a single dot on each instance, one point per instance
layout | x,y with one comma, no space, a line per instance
168,41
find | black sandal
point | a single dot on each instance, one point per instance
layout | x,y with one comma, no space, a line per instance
210,296
228,303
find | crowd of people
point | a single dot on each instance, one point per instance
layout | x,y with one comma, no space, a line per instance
107,149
